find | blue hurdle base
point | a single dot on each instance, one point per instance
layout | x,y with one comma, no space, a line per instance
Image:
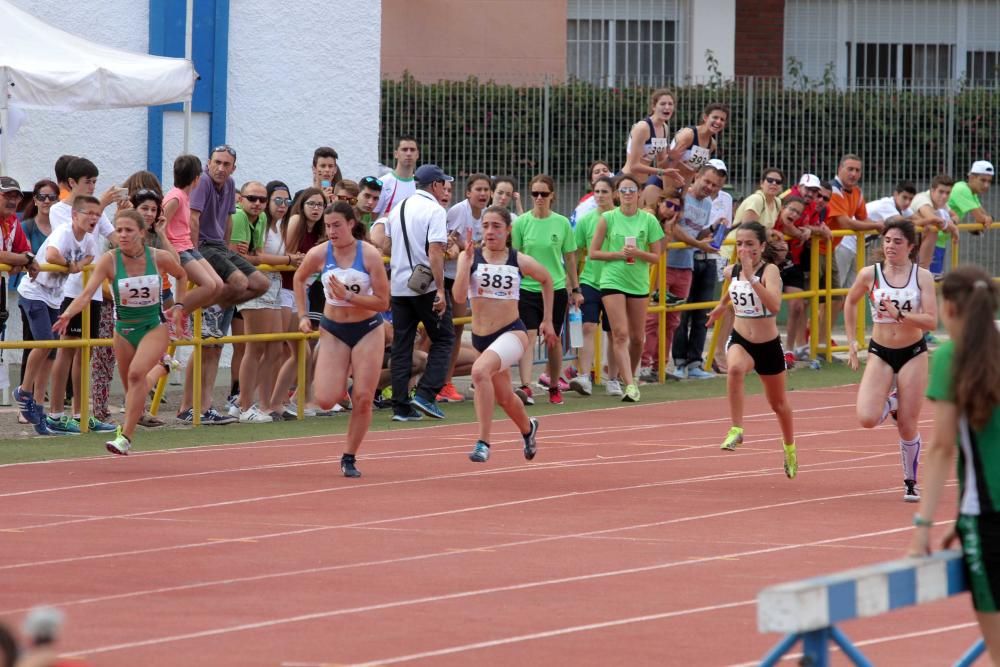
816,649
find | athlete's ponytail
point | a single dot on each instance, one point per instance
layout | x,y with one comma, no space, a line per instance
976,365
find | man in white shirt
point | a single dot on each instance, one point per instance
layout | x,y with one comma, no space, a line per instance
417,230
399,184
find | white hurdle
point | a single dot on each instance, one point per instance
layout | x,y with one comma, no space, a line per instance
810,609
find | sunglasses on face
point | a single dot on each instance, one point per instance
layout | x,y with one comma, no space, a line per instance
628,189
44,198
672,205
536,194
348,198
773,181
823,197
282,201
255,199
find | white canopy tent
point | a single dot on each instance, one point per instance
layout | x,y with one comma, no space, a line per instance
44,67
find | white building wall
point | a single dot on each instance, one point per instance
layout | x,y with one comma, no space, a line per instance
305,76
713,27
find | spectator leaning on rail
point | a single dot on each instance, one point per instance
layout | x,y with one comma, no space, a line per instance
417,229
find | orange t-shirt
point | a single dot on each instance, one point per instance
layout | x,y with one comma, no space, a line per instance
850,203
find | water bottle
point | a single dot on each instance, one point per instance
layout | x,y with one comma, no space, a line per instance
575,320
720,236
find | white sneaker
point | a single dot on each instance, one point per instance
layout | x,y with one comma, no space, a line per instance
310,412
581,384
613,388
234,411
254,416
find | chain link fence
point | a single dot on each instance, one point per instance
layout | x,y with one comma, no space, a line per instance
560,128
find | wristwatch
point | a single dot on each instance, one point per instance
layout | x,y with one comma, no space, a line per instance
30,257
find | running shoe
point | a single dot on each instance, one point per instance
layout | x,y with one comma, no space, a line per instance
733,439
613,388
449,394
41,428
631,394
648,375
63,425
910,493
546,382
789,361
480,452
96,425
254,416
893,403
791,461
213,418
555,396
429,408
211,322
347,466
120,445
185,417
169,363
696,372
525,394
407,415
680,372
582,385
801,353
149,421
530,446
674,300
26,405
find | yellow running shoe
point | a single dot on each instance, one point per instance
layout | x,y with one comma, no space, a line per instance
733,439
791,461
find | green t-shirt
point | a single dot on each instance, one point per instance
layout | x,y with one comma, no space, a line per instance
584,233
961,201
978,451
546,240
629,278
244,232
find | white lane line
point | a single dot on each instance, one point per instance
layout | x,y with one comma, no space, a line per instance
476,593
419,557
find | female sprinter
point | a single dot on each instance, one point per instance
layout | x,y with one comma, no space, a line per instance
491,277
965,388
352,339
634,242
648,144
140,340
755,292
903,307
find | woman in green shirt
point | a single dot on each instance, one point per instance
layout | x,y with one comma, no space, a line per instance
965,388
634,241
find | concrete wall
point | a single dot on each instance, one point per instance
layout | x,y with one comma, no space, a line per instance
508,41
713,23
305,76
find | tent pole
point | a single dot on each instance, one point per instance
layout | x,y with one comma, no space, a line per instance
188,36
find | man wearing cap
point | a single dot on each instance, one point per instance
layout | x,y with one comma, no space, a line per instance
965,196
417,231
15,250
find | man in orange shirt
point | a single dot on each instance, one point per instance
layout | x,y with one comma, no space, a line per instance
846,210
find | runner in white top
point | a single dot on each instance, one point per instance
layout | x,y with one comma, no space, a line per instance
491,277
903,306
699,142
647,149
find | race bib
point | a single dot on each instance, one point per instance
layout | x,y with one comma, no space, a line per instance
139,291
496,281
659,143
904,300
697,158
746,303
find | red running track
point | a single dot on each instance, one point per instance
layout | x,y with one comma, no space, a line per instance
631,539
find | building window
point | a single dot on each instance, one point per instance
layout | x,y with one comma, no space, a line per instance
623,42
982,67
877,64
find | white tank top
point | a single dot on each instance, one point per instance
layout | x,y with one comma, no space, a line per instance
354,277
746,302
905,298
495,281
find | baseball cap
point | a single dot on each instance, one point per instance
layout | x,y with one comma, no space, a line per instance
718,164
430,173
810,181
8,184
982,167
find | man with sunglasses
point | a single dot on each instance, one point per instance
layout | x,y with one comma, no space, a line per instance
15,250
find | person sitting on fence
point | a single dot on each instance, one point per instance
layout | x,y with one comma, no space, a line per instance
903,307
699,142
647,148
140,338
491,278
590,286
634,241
965,389
598,169
547,237
755,294
463,217
930,209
